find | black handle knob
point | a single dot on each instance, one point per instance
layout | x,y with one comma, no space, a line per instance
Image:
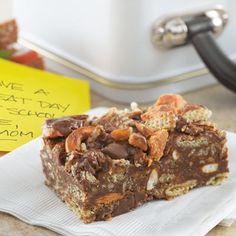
200,34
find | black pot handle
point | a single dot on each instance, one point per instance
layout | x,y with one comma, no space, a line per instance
200,34
199,29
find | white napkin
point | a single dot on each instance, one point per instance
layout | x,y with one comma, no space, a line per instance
23,194
229,220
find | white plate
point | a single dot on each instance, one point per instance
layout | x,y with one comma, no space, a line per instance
23,194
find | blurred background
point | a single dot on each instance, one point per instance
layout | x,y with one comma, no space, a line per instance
5,9
114,44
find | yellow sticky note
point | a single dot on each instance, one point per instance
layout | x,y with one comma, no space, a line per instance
29,96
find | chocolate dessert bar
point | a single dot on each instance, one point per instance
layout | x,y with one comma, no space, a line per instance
106,166
8,33
9,51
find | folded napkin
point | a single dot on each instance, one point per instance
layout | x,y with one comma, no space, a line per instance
23,194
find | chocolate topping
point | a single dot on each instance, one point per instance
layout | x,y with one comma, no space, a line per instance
62,127
93,161
116,151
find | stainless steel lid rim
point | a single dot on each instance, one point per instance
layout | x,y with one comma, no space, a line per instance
132,78
107,82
